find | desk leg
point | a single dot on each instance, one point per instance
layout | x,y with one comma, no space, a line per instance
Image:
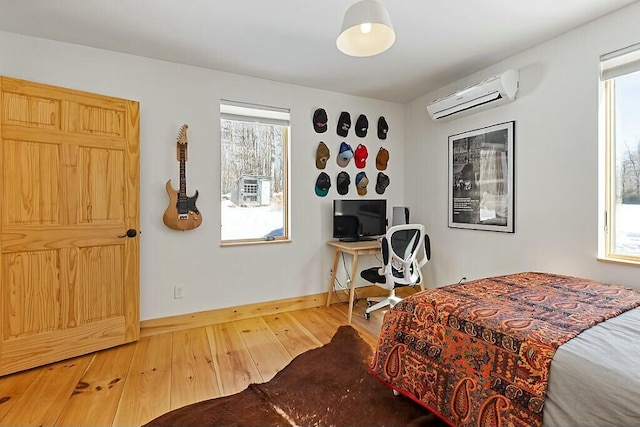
332,282
352,290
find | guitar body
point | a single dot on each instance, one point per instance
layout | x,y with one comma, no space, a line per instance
182,213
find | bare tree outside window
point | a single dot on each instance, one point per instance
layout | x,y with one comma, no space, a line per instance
630,174
254,151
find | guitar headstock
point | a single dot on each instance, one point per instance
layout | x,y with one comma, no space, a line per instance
182,135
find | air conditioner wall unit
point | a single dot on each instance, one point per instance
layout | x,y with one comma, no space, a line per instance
491,92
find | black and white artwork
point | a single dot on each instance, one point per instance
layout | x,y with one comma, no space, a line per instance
481,178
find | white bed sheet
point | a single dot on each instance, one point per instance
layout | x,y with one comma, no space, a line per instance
594,378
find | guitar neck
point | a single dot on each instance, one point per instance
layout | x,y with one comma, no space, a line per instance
183,169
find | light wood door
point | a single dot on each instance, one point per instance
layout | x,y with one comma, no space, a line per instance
69,188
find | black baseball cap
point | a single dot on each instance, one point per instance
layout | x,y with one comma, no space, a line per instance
323,184
342,183
320,120
362,125
383,128
382,183
344,123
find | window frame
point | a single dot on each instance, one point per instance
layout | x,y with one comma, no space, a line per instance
232,110
610,178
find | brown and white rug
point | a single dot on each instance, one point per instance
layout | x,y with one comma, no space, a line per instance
330,385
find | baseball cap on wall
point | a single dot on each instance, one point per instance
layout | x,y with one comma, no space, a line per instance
322,155
362,125
382,158
382,183
323,184
344,155
342,183
383,128
344,123
361,183
360,157
320,120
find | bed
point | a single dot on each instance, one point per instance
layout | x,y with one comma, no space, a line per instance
480,353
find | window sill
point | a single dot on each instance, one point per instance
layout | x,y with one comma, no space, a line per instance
252,242
623,261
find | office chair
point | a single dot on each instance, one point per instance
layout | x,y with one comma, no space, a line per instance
405,248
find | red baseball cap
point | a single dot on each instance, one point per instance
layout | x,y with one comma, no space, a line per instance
360,157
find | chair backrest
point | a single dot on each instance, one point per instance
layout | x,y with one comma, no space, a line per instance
405,248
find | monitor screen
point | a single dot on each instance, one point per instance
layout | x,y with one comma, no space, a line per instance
359,219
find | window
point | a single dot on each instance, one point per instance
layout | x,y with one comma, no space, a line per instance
254,173
621,79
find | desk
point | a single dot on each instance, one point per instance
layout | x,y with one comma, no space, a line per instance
368,247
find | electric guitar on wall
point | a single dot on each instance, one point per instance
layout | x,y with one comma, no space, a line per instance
182,213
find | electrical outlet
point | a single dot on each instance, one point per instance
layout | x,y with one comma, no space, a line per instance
178,291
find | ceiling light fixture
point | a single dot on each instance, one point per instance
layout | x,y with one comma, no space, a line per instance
366,29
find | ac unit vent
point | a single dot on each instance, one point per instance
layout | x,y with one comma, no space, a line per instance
488,93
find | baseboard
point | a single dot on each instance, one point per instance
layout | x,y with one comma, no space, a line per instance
222,315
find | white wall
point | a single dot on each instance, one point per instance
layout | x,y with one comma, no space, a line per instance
556,163
171,94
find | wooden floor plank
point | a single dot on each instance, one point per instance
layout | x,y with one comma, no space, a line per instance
317,324
334,320
339,313
231,359
373,324
43,401
95,399
295,338
192,373
147,390
13,386
267,352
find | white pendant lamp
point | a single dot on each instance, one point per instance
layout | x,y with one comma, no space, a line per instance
366,29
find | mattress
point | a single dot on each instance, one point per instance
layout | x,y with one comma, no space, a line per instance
594,378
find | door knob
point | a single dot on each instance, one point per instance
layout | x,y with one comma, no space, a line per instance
130,233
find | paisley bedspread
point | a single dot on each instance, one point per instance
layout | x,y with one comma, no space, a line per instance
478,353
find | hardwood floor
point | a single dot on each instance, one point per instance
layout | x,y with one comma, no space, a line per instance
134,383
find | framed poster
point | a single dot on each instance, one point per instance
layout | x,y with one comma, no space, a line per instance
481,178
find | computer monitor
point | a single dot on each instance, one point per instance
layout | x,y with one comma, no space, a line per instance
359,219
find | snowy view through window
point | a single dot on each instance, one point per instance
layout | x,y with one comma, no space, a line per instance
627,163
253,176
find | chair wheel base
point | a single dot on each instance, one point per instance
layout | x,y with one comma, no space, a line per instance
369,303
367,316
